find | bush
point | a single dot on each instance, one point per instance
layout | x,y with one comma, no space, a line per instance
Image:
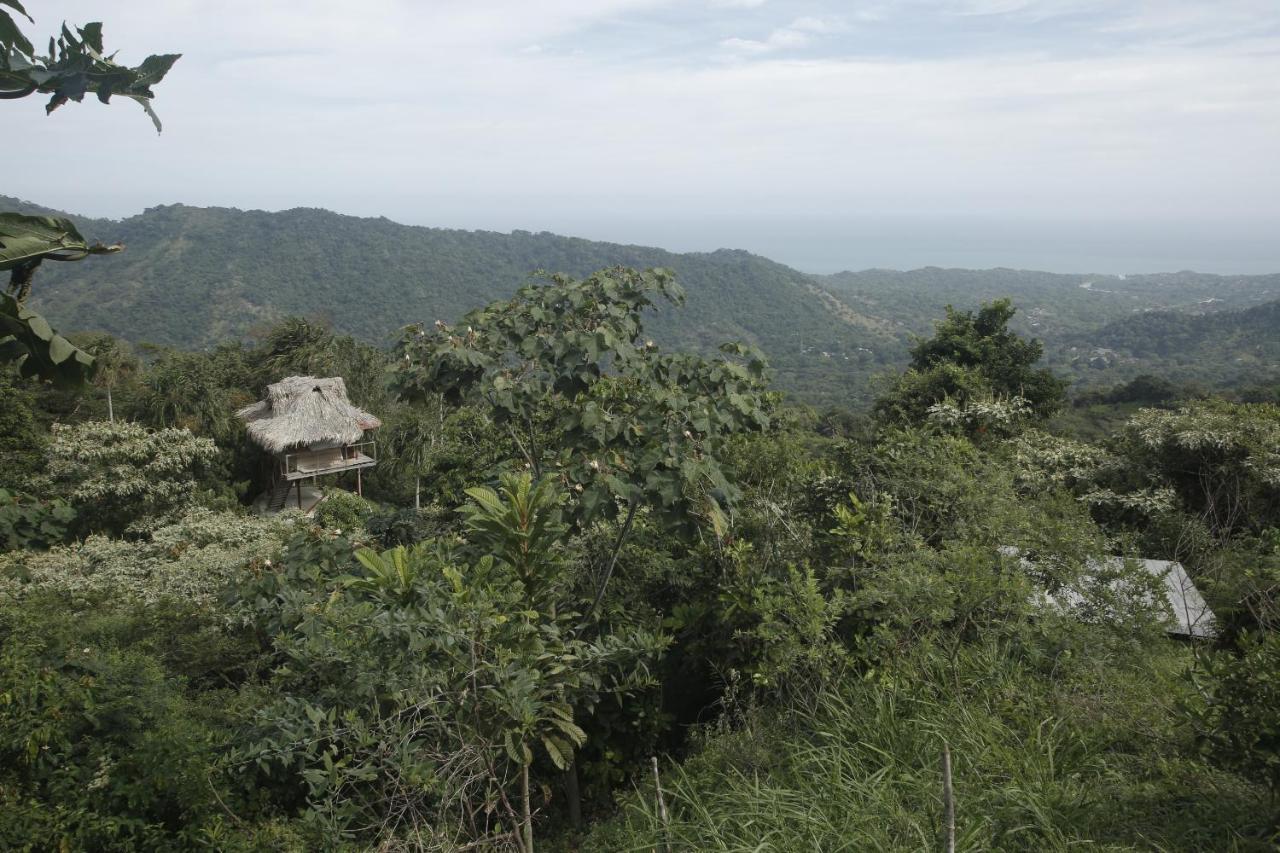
26,522
1241,719
98,749
341,510
123,477
191,560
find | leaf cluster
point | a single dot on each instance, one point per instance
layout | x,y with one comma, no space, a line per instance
76,64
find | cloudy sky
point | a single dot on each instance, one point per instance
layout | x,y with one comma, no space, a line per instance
828,134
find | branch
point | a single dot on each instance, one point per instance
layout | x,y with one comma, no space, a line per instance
613,560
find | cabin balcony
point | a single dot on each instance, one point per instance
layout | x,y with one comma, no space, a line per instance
330,460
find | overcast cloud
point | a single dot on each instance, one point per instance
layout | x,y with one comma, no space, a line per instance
592,115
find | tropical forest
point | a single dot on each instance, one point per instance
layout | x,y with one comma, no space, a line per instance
321,532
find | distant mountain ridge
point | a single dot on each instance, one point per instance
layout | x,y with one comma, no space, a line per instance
193,277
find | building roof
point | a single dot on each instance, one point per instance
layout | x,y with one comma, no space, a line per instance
1191,615
1188,615
302,411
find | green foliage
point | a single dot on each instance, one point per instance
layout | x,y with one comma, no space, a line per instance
565,369
26,338
73,67
22,438
341,510
191,560
391,527
419,688
299,347
1044,758
35,349
123,476
402,678
26,522
971,357
98,749
1239,717
1222,459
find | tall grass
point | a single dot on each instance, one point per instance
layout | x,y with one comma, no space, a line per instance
1095,758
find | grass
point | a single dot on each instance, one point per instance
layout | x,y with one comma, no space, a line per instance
1092,756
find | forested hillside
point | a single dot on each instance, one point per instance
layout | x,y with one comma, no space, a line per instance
193,277
1220,348
1097,329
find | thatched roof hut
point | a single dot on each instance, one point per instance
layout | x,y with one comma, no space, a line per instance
306,411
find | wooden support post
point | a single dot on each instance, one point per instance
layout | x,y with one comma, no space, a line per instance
299,493
359,484
948,801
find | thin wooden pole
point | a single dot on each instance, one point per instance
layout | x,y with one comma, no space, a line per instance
299,493
662,806
527,829
359,484
948,800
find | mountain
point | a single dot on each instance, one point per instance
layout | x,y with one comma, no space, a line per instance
1051,306
195,276
1215,349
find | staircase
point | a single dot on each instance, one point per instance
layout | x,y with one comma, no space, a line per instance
279,494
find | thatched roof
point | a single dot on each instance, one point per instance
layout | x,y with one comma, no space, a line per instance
302,411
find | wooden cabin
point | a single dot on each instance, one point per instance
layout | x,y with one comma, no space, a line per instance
312,430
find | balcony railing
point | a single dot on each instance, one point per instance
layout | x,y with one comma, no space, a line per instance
312,463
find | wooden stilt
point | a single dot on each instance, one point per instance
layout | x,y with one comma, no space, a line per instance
359,484
299,493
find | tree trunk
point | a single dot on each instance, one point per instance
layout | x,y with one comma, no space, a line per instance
111,411
573,795
417,493
528,810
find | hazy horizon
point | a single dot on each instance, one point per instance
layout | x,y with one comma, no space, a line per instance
827,245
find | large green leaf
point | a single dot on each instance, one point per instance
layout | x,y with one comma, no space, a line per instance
27,339
30,239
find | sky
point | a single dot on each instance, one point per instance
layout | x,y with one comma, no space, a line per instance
1073,135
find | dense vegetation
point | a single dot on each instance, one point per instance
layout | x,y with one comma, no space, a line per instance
604,596
195,277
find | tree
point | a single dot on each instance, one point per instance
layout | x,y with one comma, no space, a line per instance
972,356
124,476
297,346
424,690
565,369
22,439
73,67
413,442
114,362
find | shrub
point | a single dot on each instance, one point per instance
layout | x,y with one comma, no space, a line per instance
341,510
98,749
123,477
191,560
26,522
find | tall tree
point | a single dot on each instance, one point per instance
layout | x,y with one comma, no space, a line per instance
565,369
114,362
971,356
